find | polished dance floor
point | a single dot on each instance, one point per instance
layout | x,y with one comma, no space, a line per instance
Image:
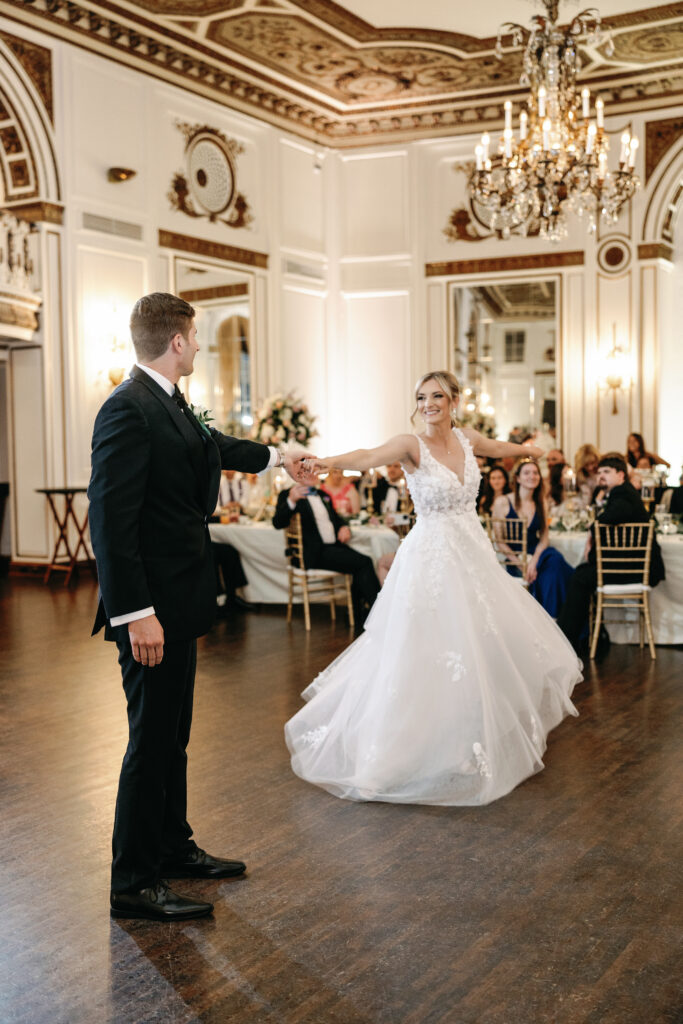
560,904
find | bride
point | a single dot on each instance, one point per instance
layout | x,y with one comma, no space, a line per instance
448,695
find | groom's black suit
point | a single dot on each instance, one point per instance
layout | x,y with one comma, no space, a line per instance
154,485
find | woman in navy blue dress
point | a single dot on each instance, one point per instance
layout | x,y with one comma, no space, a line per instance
547,572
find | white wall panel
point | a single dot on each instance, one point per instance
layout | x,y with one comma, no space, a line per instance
109,284
375,204
302,214
375,392
303,361
107,127
29,510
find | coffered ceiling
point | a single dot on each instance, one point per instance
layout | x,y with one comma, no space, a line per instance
363,71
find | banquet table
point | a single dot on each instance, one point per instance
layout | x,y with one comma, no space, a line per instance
666,599
262,551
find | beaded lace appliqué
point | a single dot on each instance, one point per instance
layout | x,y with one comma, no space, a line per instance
314,737
482,760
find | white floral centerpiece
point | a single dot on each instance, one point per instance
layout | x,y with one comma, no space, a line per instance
284,419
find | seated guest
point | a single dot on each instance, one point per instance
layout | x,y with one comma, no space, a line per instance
623,505
342,492
555,458
586,468
555,490
547,572
496,484
232,488
372,489
636,449
672,499
326,537
395,484
230,575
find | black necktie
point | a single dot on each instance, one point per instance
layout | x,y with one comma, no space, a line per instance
179,399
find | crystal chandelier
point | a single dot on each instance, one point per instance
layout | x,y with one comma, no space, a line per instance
558,164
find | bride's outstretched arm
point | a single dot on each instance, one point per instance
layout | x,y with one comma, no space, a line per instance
402,448
493,449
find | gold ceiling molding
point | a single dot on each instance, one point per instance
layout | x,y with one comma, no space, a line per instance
313,68
500,264
655,251
219,291
659,138
37,211
37,63
216,250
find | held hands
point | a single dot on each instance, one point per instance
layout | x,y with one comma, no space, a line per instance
302,468
532,450
147,640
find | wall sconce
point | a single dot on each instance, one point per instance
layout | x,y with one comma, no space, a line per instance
118,174
616,371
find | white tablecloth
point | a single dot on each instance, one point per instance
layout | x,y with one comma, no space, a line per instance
666,599
262,551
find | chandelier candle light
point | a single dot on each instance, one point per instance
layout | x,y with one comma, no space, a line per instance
558,163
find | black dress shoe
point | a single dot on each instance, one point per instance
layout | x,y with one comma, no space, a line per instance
157,903
200,864
235,601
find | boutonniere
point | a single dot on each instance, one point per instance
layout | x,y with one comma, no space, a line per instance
203,415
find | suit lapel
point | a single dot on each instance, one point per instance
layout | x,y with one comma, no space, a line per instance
182,425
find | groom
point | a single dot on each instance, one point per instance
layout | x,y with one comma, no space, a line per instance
155,476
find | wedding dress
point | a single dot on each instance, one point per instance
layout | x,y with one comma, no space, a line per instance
448,695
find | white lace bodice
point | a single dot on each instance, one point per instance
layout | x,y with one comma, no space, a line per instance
435,489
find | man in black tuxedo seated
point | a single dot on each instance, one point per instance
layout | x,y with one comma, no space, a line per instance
622,505
326,536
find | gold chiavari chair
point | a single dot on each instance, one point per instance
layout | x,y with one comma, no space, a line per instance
313,582
509,539
623,549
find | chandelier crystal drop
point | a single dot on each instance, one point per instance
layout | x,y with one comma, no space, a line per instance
558,162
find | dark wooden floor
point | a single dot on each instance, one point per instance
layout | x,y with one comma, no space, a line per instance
560,904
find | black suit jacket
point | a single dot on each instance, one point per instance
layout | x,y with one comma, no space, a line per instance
313,542
625,506
153,487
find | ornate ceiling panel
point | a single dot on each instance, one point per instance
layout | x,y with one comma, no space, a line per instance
316,68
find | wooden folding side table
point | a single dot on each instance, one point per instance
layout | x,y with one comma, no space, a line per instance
67,560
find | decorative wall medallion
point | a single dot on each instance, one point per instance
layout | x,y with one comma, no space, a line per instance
614,256
209,186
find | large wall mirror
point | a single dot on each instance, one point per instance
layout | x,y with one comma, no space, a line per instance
223,375
504,342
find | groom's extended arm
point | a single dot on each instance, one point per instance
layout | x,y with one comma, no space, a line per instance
253,457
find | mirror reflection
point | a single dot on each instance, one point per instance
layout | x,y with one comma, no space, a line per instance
221,381
504,354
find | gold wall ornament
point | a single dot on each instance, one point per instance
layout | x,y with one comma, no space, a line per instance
208,187
119,174
559,163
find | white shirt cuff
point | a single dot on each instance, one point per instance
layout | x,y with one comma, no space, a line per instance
292,504
274,458
122,620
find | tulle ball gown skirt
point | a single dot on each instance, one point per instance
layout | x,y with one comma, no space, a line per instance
449,694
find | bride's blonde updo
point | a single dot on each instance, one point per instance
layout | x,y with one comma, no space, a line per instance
448,383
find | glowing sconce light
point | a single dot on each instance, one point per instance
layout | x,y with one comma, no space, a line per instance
616,371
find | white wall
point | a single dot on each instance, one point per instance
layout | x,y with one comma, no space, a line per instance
344,314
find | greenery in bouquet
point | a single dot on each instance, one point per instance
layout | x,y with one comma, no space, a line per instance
284,419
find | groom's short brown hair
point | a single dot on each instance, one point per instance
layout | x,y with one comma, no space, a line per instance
157,318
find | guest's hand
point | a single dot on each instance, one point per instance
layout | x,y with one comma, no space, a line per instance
531,572
344,535
147,640
297,492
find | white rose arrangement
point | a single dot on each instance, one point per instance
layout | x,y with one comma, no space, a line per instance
284,419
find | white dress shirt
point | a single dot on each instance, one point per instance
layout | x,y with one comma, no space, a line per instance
169,387
322,517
